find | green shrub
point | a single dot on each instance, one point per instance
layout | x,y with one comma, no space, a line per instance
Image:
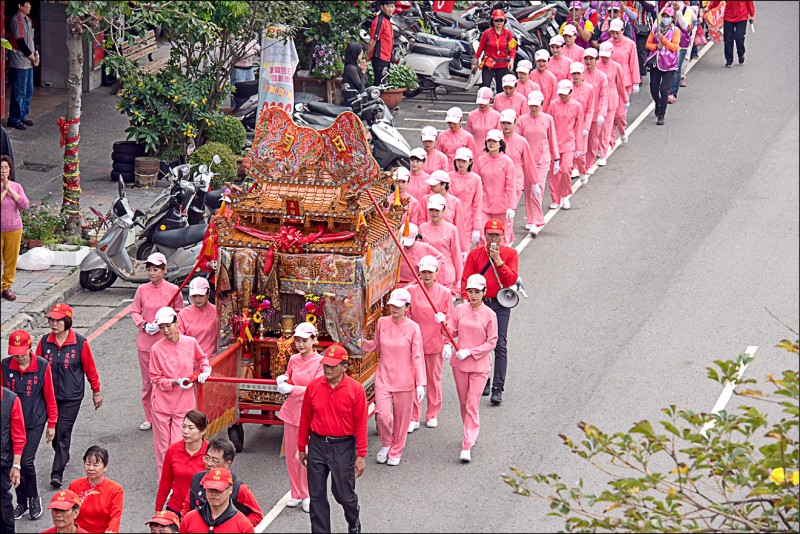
225,171
401,76
228,130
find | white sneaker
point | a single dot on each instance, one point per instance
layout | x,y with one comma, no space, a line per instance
393,461
565,204
528,226
590,171
535,229
554,206
432,422
624,139
383,454
294,503
412,426
307,504
575,173
584,179
602,162
145,426
465,456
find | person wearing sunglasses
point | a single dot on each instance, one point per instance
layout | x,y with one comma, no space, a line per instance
500,48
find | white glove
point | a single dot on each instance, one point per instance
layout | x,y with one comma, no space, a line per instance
476,236
280,379
202,377
556,166
636,89
420,393
601,120
510,214
627,105
447,351
537,191
578,153
586,133
439,317
151,328
284,388
463,353
184,383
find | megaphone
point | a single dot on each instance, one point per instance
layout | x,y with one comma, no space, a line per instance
507,297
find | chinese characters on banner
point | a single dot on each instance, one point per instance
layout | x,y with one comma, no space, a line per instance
276,71
444,6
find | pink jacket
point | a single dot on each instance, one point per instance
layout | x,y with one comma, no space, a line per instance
525,88
541,135
625,55
445,238
449,141
201,325
476,329
568,118
599,83
417,186
548,83
517,102
10,219
584,93
479,123
170,361
574,52
300,371
436,160
433,337
414,254
469,190
519,151
401,366
560,67
617,95
146,302
453,213
498,178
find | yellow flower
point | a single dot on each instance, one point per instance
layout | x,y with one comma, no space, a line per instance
204,100
325,17
173,80
140,84
133,99
671,491
796,478
207,121
193,103
777,476
311,318
680,470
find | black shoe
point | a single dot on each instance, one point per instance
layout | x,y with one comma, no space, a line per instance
355,528
728,65
17,125
20,510
487,389
55,481
28,122
35,504
497,396
660,121
741,60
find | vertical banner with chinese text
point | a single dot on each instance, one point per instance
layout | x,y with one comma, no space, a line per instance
276,71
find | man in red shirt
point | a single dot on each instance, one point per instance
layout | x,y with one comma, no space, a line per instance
12,443
218,514
64,508
734,27
381,41
333,424
164,522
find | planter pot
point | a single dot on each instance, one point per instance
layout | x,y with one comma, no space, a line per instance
33,243
69,255
393,97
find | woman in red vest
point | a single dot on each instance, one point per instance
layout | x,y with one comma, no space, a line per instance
500,47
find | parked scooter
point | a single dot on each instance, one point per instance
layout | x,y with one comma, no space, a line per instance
441,67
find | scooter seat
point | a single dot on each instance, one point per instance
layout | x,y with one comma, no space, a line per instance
430,50
180,237
317,122
457,33
324,108
214,199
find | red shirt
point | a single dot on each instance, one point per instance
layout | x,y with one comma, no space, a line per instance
101,509
18,435
176,475
735,11
335,412
385,38
194,522
51,530
501,48
478,258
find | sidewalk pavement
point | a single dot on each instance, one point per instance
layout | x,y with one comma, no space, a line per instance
37,291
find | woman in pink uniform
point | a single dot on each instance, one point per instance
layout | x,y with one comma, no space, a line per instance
444,237
510,98
468,187
484,118
546,79
454,137
149,298
173,360
617,97
583,92
625,54
568,118
400,376
475,324
433,338
540,131
200,319
599,82
434,159
518,149
440,185
498,177
417,177
559,63
303,367
415,249
413,212
524,83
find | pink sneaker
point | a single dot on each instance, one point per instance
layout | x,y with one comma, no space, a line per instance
671,99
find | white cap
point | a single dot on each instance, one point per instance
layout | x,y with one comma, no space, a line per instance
564,87
198,286
476,281
616,25
524,66
590,52
541,54
509,80
428,263
399,297
535,98
606,48
569,29
156,258
413,231
494,135
419,153
454,115
484,95
557,40
508,115
463,153
437,202
576,66
305,330
438,176
428,133
401,173
165,315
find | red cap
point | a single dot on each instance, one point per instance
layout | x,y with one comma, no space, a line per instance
165,518
218,479
498,14
493,226
64,500
60,311
19,342
335,355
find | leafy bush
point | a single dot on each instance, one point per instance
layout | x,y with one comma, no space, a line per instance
402,76
228,130
225,171
43,221
330,22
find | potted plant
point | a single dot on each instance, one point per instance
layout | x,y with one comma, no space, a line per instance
401,78
41,222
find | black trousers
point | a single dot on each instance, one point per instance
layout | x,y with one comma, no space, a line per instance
338,460
380,68
501,350
496,74
734,31
6,501
27,475
67,415
660,81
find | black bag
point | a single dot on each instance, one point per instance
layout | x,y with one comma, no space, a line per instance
650,63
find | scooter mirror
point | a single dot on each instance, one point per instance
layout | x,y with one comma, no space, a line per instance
216,159
121,188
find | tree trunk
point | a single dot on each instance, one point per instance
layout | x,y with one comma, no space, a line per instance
71,127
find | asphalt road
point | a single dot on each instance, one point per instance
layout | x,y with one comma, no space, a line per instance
669,258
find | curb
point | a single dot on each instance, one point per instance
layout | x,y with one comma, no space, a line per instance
35,310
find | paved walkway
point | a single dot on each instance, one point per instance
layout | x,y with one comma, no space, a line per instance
30,285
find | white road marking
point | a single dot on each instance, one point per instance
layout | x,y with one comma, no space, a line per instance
446,101
727,392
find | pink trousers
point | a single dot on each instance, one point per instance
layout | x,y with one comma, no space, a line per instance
298,478
147,386
593,146
620,118
580,162
606,133
393,411
433,377
563,180
533,205
166,431
470,387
